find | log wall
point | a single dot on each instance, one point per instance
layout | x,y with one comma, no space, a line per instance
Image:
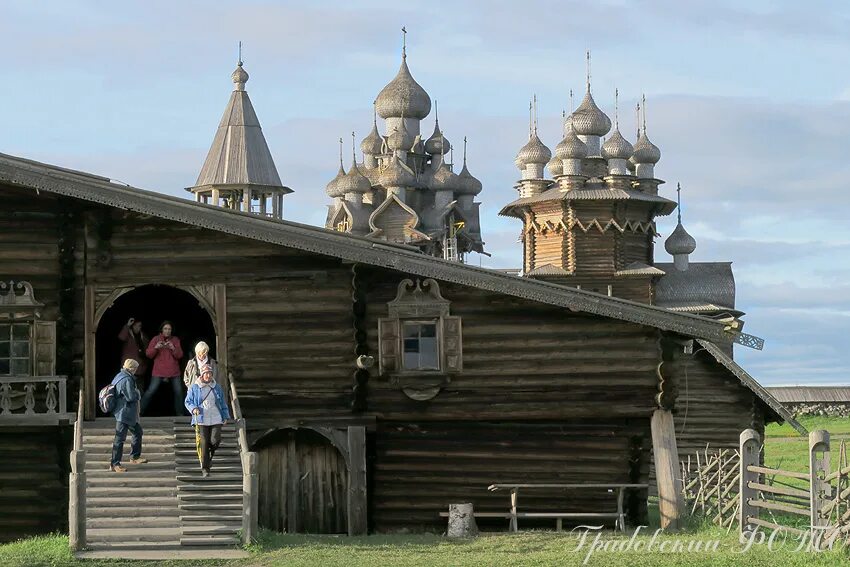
422,467
33,481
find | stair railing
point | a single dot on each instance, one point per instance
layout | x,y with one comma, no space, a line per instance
250,486
77,485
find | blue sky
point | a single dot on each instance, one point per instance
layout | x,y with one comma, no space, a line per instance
749,103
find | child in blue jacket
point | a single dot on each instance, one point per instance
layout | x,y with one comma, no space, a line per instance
205,401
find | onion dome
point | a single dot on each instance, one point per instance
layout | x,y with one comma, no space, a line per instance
556,166
534,151
437,144
444,179
588,119
398,140
334,189
680,242
645,151
397,175
469,184
571,147
239,76
372,143
403,96
353,181
617,147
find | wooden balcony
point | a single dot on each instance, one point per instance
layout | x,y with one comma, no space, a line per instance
34,400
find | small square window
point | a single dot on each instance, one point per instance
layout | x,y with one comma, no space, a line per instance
421,350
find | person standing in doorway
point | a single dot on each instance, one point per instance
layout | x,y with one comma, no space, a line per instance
134,341
205,400
126,415
193,367
166,352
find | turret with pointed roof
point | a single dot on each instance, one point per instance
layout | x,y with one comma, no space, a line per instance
239,172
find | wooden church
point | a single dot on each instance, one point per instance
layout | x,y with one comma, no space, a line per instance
565,374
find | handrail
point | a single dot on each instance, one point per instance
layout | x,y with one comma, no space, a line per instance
250,486
78,424
241,433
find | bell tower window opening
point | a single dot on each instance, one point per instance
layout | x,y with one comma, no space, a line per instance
421,345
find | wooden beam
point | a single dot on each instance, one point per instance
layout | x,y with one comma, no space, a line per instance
293,476
666,463
357,496
89,328
220,307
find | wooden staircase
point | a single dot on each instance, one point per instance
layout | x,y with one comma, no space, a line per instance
165,504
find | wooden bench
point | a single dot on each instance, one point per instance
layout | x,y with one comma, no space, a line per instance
619,515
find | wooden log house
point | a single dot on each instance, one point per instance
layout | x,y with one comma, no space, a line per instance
479,376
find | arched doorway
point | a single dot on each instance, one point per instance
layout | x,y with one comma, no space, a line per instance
303,483
152,304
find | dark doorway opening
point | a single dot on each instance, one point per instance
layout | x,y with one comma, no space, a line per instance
152,304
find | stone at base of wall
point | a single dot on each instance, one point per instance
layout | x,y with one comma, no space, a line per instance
833,409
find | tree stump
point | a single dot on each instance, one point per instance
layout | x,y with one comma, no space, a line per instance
462,521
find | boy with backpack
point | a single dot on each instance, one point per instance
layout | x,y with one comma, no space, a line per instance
121,398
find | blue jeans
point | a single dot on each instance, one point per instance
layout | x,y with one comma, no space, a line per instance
176,387
121,429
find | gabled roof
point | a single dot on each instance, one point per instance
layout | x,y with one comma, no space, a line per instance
96,189
752,384
593,192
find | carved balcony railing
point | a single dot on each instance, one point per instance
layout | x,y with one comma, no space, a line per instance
34,400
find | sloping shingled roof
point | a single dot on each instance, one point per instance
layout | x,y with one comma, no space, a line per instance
702,284
752,384
96,189
813,394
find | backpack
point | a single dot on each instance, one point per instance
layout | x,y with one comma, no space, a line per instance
106,398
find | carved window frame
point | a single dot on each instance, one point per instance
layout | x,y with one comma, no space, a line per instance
18,305
419,302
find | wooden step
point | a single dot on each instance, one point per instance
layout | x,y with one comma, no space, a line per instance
130,480
206,507
134,534
211,530
216,475
209,540
186,488
93,501
134,522
130,491
202,496
214,518
100,511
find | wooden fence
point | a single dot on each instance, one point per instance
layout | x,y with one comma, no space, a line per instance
730,486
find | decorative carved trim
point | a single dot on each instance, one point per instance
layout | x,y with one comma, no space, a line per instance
421,299
12,300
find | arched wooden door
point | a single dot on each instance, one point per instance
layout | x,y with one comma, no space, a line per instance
303,482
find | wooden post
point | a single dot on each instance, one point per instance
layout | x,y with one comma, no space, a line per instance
89,363
357,497
666,457
220,306
77,501
750,445
820,489
514,498
621,516
250,497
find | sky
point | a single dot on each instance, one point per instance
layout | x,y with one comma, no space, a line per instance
748,101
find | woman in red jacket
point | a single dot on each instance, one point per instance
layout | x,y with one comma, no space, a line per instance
165,351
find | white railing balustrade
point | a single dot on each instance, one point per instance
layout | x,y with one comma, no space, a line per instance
34,400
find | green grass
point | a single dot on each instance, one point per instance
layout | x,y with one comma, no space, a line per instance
525,548
837,426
